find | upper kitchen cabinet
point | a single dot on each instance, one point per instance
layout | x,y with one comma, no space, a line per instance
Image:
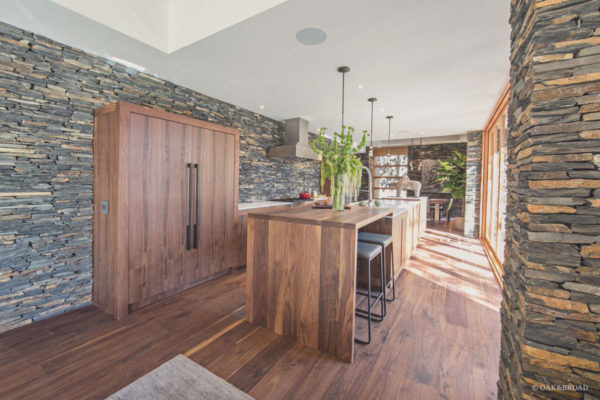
165,204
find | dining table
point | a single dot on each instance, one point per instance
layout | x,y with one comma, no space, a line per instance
436,210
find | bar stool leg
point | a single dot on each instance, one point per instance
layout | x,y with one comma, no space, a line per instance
369,301
383,280
368,307
393,277
382,283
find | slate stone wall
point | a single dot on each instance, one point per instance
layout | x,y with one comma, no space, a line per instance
551,295
441,151
363,194
48,92
473,191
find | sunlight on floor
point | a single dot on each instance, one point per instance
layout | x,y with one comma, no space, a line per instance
458,264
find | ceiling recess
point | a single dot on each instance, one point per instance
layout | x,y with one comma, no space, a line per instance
169,25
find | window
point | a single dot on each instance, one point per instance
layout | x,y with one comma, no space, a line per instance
494,184
388,169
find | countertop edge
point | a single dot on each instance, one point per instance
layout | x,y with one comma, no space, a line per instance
385,212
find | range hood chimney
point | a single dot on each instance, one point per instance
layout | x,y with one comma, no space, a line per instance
295,142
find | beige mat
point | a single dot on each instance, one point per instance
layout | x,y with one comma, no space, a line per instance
180,378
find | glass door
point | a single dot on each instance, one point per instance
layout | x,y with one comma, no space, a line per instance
494,184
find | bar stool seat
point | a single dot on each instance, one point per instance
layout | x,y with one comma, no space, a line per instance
367,252
376,238
383,241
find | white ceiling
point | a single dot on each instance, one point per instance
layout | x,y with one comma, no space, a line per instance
168,25
436,65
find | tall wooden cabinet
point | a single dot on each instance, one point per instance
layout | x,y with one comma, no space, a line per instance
165,204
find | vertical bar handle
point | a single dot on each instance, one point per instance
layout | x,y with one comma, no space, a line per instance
188,240
196,222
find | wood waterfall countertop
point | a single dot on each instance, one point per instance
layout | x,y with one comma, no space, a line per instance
301,273
355,217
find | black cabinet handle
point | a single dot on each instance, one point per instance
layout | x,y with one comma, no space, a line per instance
188,240
196,223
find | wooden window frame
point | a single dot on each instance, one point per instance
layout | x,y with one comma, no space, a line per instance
496,119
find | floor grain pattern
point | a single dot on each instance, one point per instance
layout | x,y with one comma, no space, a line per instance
440,340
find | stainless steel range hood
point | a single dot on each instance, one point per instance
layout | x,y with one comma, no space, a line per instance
295,142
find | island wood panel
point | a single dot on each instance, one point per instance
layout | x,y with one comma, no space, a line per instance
241,239
145,228
293,263
301,282
337,291
412,230
239,242
257,271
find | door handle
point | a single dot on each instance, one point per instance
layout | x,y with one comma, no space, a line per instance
188,240
196,222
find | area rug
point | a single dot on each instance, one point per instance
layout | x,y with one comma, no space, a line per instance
180,378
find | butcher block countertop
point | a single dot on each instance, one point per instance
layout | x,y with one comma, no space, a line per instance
356,217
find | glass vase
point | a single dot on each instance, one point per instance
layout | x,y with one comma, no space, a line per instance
337,192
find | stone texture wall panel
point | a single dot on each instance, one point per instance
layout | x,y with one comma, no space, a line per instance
473,191
441,151
550,314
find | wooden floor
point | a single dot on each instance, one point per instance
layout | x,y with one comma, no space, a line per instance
440,340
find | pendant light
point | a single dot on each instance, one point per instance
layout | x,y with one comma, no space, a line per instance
389,117
343,71
372,100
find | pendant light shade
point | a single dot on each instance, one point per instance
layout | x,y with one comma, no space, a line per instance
389,117
343,71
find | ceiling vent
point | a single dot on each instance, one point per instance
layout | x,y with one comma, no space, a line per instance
295,142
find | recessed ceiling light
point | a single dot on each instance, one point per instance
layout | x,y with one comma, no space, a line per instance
261,107
361,86
311,36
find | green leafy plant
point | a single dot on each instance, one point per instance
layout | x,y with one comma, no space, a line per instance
339,161
453,175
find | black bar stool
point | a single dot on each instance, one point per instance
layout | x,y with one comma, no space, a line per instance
384,241
367,252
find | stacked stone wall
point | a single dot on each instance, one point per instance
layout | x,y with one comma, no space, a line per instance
551,295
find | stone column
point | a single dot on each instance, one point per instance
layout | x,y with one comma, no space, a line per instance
551,296
473,190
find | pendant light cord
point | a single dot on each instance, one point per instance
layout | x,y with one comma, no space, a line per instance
343,70
372,100
343,95
389,117
372,123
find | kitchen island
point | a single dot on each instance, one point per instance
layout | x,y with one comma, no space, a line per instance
301,273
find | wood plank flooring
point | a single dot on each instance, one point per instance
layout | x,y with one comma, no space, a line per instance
440,340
